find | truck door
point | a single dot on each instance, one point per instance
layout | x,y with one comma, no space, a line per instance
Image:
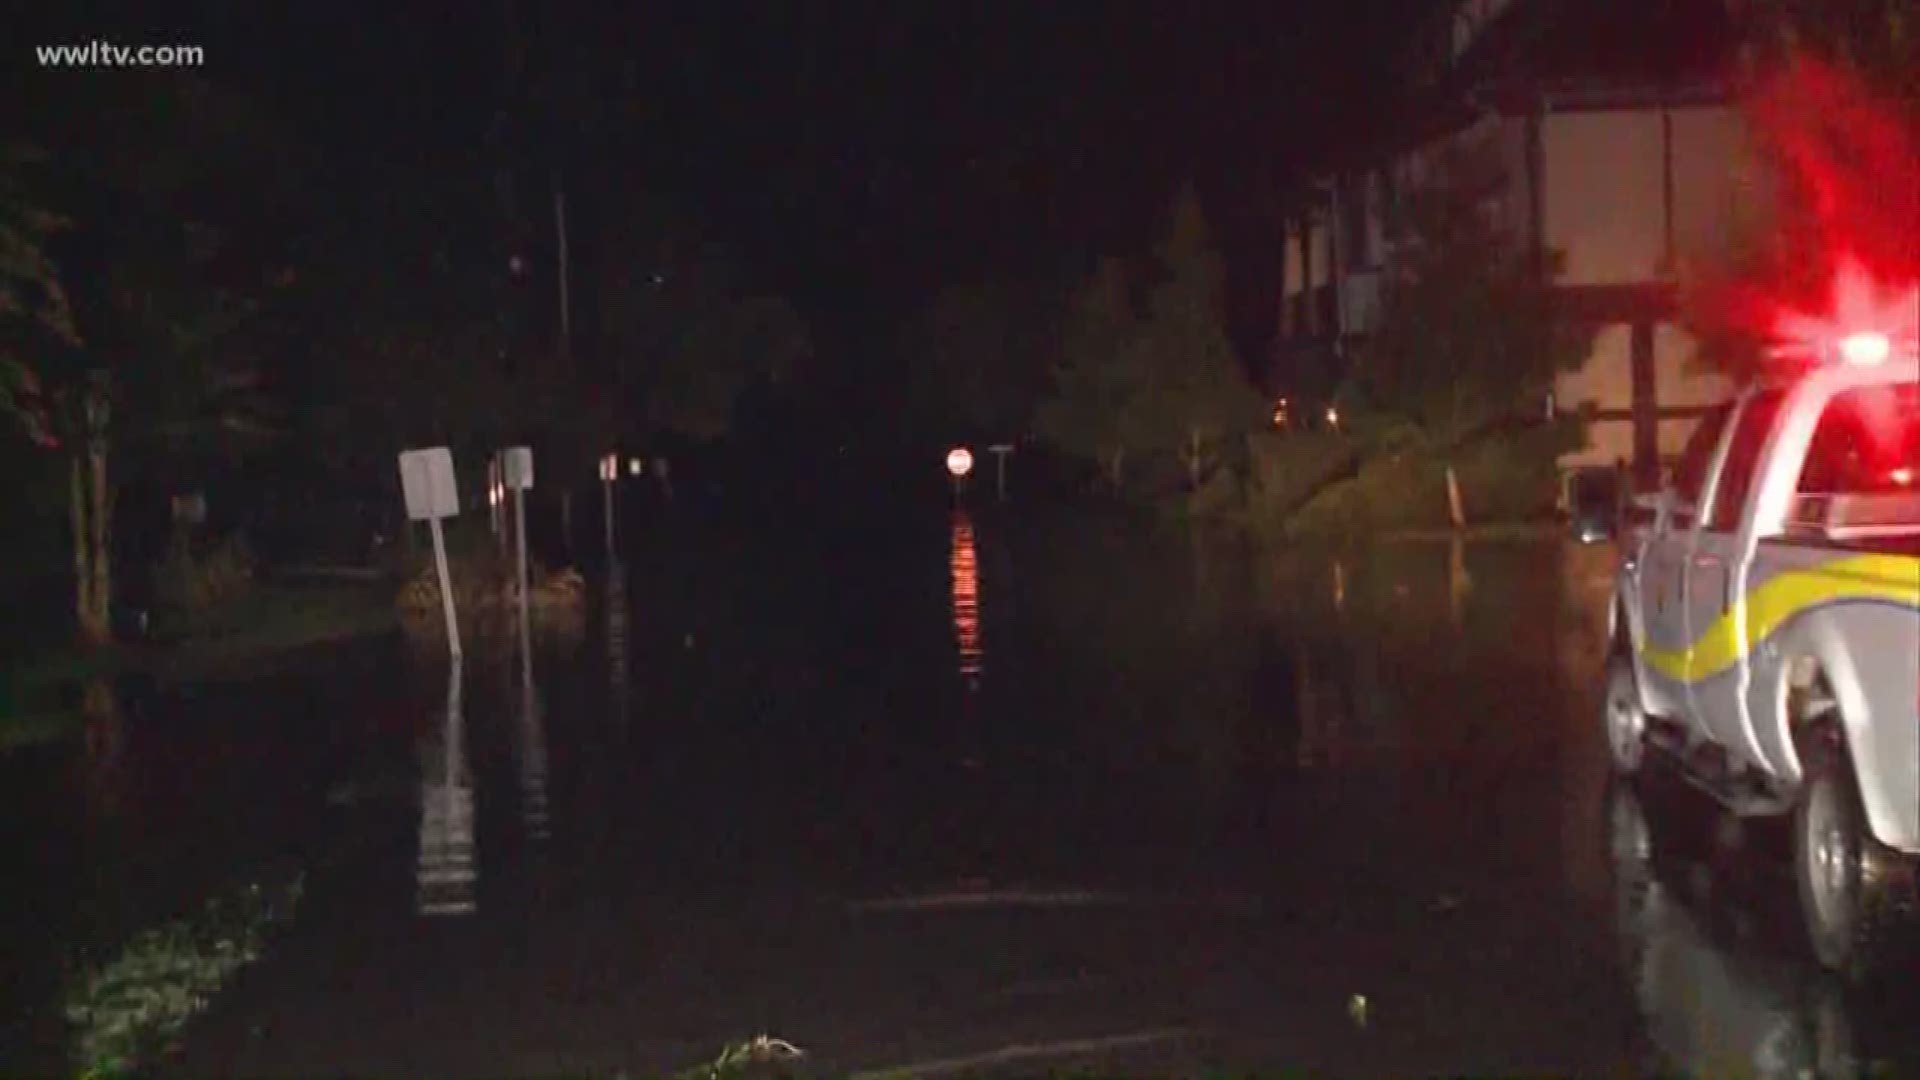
1718,659
1662,571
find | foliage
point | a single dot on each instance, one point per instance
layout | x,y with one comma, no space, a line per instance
1467,335
175,262
975,360
1202,398
193,580
132,1006
1290,468
34,312
730,346
1098,405
150,350
1390,491
687,339
1158,379
1514,475
1505,475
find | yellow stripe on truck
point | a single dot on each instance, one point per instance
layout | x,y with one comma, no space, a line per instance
1887,578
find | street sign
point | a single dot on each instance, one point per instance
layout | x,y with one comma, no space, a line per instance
1000,452
426,478
518,466
190,509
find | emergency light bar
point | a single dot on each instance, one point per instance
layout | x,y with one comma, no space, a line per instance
1866,349
1867,326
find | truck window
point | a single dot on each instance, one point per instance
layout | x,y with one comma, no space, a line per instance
1867,442
1690,476
1743,457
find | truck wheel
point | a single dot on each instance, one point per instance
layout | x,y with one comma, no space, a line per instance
1839,899
1624,718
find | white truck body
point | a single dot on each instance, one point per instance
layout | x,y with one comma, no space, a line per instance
1790,543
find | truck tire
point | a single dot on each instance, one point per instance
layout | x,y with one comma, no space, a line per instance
1623,718
1840,894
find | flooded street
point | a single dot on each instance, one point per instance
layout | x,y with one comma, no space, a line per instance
966,794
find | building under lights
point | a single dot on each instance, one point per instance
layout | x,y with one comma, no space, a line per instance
1623,155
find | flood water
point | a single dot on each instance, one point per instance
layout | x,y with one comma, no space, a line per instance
973,793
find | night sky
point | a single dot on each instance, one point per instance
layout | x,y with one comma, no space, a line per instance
857,157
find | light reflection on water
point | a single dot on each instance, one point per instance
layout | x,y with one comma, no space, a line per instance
619,663
447,872
1715,1003
1419,660
530,746
964,572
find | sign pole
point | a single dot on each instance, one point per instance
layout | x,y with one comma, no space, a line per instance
608,469
446,586
1000,452
431,493
494,510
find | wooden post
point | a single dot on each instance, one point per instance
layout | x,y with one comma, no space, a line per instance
1455,511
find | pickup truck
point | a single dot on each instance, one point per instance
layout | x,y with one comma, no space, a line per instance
1765,631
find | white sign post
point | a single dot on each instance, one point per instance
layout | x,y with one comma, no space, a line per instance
609,472
426,479
516,467
496,513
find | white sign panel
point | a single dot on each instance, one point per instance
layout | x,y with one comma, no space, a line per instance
426,478
518,463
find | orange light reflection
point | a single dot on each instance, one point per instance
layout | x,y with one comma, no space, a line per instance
964,569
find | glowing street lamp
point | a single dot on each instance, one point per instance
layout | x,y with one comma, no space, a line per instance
1333,416
635,466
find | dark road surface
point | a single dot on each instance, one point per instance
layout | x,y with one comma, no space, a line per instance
985,796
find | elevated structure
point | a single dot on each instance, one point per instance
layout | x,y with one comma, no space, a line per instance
1622,156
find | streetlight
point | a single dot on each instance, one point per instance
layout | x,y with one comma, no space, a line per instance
1333,416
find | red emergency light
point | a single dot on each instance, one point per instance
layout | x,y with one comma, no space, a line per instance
1867,324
